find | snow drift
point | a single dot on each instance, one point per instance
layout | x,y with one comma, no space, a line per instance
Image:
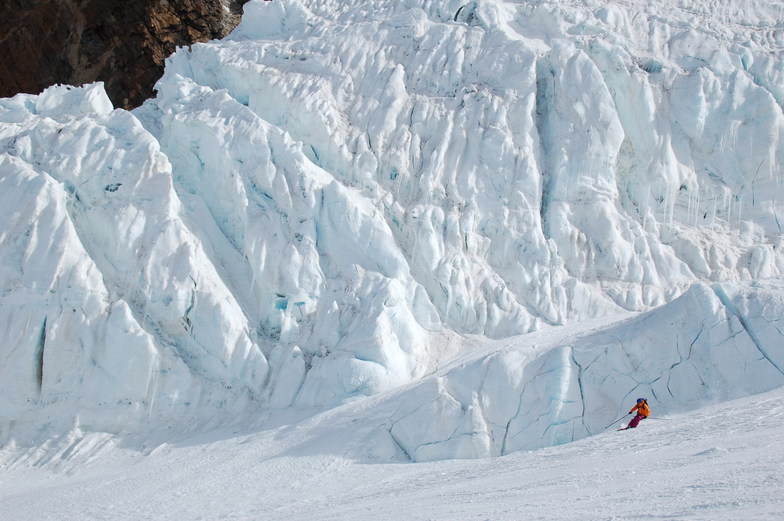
324,203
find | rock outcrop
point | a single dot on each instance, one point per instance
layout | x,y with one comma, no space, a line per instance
124,44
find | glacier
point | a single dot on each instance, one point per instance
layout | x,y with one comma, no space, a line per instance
343,199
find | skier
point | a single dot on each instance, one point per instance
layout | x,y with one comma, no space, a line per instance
643,411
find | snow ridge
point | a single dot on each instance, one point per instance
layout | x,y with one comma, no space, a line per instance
550,388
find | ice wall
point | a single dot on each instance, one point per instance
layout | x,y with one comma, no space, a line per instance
311,208
548,388
111,309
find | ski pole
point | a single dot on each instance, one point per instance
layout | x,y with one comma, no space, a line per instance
616,421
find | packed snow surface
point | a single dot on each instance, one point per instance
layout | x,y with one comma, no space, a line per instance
347,198
719,464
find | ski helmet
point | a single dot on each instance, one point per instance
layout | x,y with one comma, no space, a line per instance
640,400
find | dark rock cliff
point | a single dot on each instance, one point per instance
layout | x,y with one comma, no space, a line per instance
121,42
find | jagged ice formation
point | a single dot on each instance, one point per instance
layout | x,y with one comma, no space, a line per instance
326,202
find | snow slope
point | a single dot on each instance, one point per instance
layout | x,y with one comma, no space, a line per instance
718,464
341,197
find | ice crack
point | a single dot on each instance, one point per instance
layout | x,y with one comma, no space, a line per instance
728,304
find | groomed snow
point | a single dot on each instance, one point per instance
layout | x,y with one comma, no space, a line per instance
722,463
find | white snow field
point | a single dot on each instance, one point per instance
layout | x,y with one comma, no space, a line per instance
721,463
357,234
